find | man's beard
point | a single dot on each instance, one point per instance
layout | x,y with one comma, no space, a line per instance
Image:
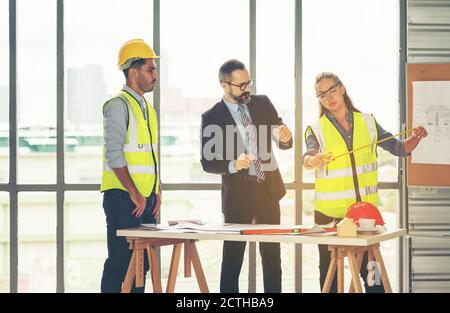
243,98
147,87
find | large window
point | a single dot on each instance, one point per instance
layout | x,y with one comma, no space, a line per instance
275,65
36,91
4,242
348,38
4,146
358,40
37,242
190,59
4,93
84,241
203,205
191,55
92,44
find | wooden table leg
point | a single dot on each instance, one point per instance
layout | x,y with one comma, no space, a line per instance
370,268
384,277
354,268
131,273
135,269
198,269
340,269
139,267
173,267
331,270
187,258
359,258
154,266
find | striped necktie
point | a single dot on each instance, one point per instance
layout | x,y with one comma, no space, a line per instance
253,146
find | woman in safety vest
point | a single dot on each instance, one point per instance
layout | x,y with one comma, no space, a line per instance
351,178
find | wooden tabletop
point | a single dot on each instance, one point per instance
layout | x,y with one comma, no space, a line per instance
359,240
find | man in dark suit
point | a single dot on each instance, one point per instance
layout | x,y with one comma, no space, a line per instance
237,135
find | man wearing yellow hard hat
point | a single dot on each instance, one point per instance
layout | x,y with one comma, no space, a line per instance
130,177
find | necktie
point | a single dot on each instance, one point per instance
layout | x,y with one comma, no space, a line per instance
253,146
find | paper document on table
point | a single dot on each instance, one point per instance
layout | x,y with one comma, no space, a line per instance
192,227
193,221
225,228
152,226
431,109
316,230
320,230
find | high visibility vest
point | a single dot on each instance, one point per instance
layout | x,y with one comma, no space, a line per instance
338,182
140,149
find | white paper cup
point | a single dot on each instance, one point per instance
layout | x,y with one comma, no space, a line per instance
366,224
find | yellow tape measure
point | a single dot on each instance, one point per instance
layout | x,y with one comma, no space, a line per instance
374,143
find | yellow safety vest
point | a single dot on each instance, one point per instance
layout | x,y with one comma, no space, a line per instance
336,183
140,149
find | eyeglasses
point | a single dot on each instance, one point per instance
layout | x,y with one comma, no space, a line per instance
242,86
330,91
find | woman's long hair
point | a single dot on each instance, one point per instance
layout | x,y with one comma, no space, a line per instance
347,100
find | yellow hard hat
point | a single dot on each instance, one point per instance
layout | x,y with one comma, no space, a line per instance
133,50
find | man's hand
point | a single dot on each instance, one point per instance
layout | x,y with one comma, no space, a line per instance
319,160
282,134
157,207
140,202
243,162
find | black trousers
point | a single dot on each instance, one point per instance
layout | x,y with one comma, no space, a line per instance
260,207
325,258
118,207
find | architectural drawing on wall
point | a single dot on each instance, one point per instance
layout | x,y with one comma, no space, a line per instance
431,108
438,118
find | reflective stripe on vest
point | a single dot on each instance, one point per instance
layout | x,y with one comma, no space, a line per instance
366,191
140,150
366,168
335,184
134,169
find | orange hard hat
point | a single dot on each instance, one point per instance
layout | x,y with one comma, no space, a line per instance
364,210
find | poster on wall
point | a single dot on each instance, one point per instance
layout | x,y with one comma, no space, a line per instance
431,108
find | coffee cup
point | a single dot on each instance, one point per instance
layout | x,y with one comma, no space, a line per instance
366,224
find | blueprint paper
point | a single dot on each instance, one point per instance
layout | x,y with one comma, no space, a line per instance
431,109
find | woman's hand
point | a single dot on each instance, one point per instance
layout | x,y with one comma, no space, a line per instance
419,132
411,142
319,160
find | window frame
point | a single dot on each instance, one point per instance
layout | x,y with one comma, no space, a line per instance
13,188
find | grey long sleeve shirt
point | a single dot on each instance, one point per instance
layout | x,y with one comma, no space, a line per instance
115,124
